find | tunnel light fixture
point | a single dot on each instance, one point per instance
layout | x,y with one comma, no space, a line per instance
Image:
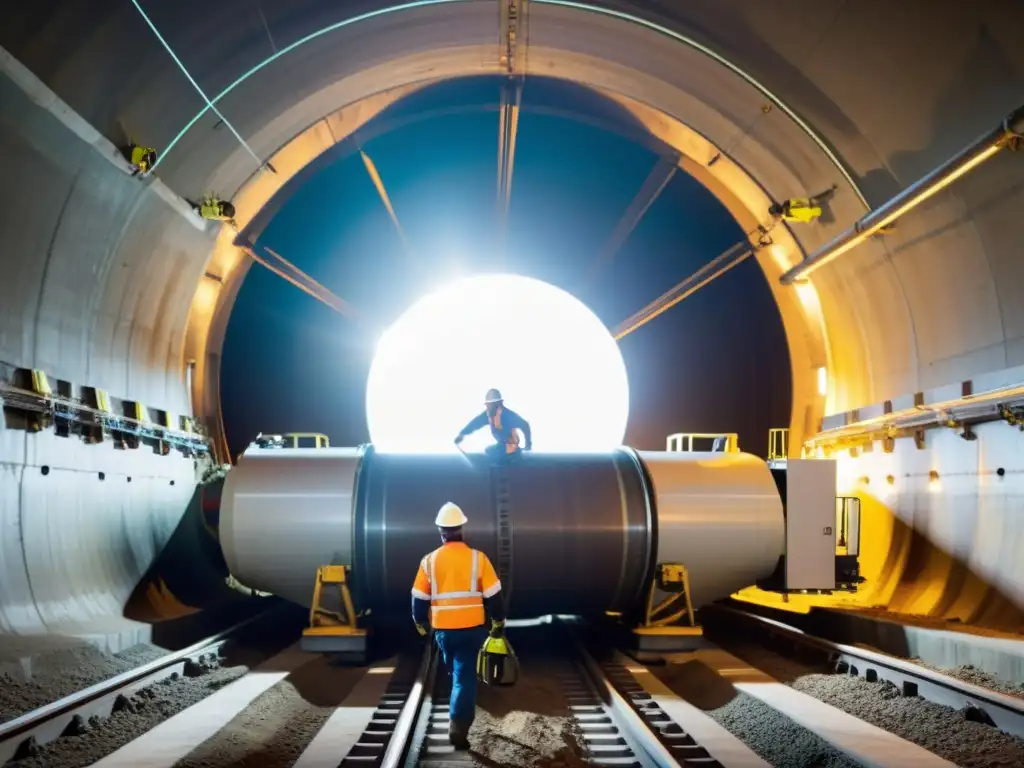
823,381
969,158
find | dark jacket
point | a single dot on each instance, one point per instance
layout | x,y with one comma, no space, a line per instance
510,420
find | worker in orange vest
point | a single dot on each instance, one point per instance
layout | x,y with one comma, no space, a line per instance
505,425
459,588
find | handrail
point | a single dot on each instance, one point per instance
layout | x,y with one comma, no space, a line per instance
926,414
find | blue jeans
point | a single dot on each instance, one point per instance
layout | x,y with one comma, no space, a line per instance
459,648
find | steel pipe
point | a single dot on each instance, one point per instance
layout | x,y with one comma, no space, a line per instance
587,530
971,156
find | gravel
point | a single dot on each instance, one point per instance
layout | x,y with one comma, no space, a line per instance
971,674
525,725
133,716
770,734
57,667
942,730
279,724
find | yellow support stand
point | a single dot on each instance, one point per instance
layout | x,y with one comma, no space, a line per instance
668,625
334,631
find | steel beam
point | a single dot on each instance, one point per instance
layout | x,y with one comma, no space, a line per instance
659,177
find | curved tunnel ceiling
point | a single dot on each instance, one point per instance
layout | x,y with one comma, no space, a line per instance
116,304
735,186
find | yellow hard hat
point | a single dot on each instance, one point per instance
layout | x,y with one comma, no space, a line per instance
450,516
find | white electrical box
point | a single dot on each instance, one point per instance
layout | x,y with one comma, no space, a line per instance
810,524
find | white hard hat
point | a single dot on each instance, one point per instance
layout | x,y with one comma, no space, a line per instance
450,516
492,396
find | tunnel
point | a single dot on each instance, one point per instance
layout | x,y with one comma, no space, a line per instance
112,290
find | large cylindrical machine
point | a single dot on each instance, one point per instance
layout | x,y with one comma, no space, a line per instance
574,533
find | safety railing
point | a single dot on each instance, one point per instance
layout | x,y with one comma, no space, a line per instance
690,442
778,447
848,525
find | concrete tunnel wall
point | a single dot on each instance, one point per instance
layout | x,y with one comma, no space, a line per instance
96,279
933,304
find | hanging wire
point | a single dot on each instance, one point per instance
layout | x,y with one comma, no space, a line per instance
209,103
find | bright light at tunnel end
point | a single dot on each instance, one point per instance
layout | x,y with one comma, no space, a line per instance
554,361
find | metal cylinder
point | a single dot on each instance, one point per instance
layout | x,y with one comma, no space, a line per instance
580,525
720,515
284,513
586,530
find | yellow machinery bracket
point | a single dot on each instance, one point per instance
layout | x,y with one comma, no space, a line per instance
674,579
326,622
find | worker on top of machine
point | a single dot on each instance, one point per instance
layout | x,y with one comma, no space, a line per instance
797,209
802,209
215,209
142,159
461,589
505,427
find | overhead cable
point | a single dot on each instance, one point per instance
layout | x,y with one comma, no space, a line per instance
205,98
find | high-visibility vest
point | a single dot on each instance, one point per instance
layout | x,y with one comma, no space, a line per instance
800,209
511,440
456,579
212,210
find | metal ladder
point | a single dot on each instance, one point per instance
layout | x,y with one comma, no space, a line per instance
503,517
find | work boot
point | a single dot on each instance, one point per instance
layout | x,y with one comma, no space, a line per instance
458,734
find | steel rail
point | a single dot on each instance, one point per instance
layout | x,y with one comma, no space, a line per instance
1002,711
54,717
405,726
625,712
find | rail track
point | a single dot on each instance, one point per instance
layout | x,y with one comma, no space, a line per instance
985,705
21,736
607,709
609,719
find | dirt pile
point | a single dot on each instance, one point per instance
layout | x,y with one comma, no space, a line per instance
525,726
88,741
57,667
